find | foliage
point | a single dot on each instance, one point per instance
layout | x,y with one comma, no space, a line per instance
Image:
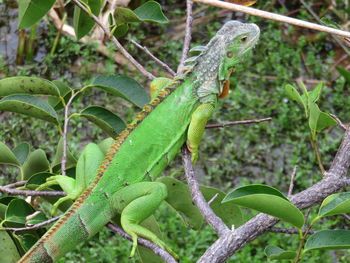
283,140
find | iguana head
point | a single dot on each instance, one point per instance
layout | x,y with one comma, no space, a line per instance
235,39
218,58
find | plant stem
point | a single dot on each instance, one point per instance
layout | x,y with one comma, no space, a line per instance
318,156
31,43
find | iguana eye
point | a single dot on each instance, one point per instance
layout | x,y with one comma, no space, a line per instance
229,54
243,39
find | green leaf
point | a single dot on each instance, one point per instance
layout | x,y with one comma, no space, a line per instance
82,21
328,239
121,30
71,160
31,11
8,249
7,156
37,179
36,162
123,86
146,255
65,92
325,121
39,218
313,118
314,95
229,213
105,145
267,200
179,198
29,105
105,119
88,162
21,152
27,241
274,252
151,11
293,94
345,73
335,204
17,211
27,85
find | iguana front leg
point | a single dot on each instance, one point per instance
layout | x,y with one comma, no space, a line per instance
137,202
197,126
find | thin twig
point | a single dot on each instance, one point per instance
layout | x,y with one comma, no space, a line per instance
347,217
65,132
213,198
340,123
272,16
290,231
309,9
157,60
291,185
187,41
212,219
145,243
116,42
36,226
220,125
30,192
16,184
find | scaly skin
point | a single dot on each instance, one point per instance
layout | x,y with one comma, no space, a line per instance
123,184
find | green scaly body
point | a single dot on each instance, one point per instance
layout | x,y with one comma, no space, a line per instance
141,152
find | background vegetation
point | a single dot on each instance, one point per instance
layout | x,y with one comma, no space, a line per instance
230,157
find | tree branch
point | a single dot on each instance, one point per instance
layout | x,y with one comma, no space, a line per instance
220,125
12,191
36,226
187,41
273,16
145,243
157,60
116,42
212,219
333,181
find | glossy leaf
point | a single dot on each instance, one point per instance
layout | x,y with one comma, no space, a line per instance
87,165
325,121
274,252
335,204
105,145
36,162
120,30
179,198
7,156
328,239
29,105
267,200
31,11
150,11
293,94
18,210
65,92
82,21
146,255
105,119
27,85
27,241
123,86
21,152
71,160
345,73
8,249
37,179
314,95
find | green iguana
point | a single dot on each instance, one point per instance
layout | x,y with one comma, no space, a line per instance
124,183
